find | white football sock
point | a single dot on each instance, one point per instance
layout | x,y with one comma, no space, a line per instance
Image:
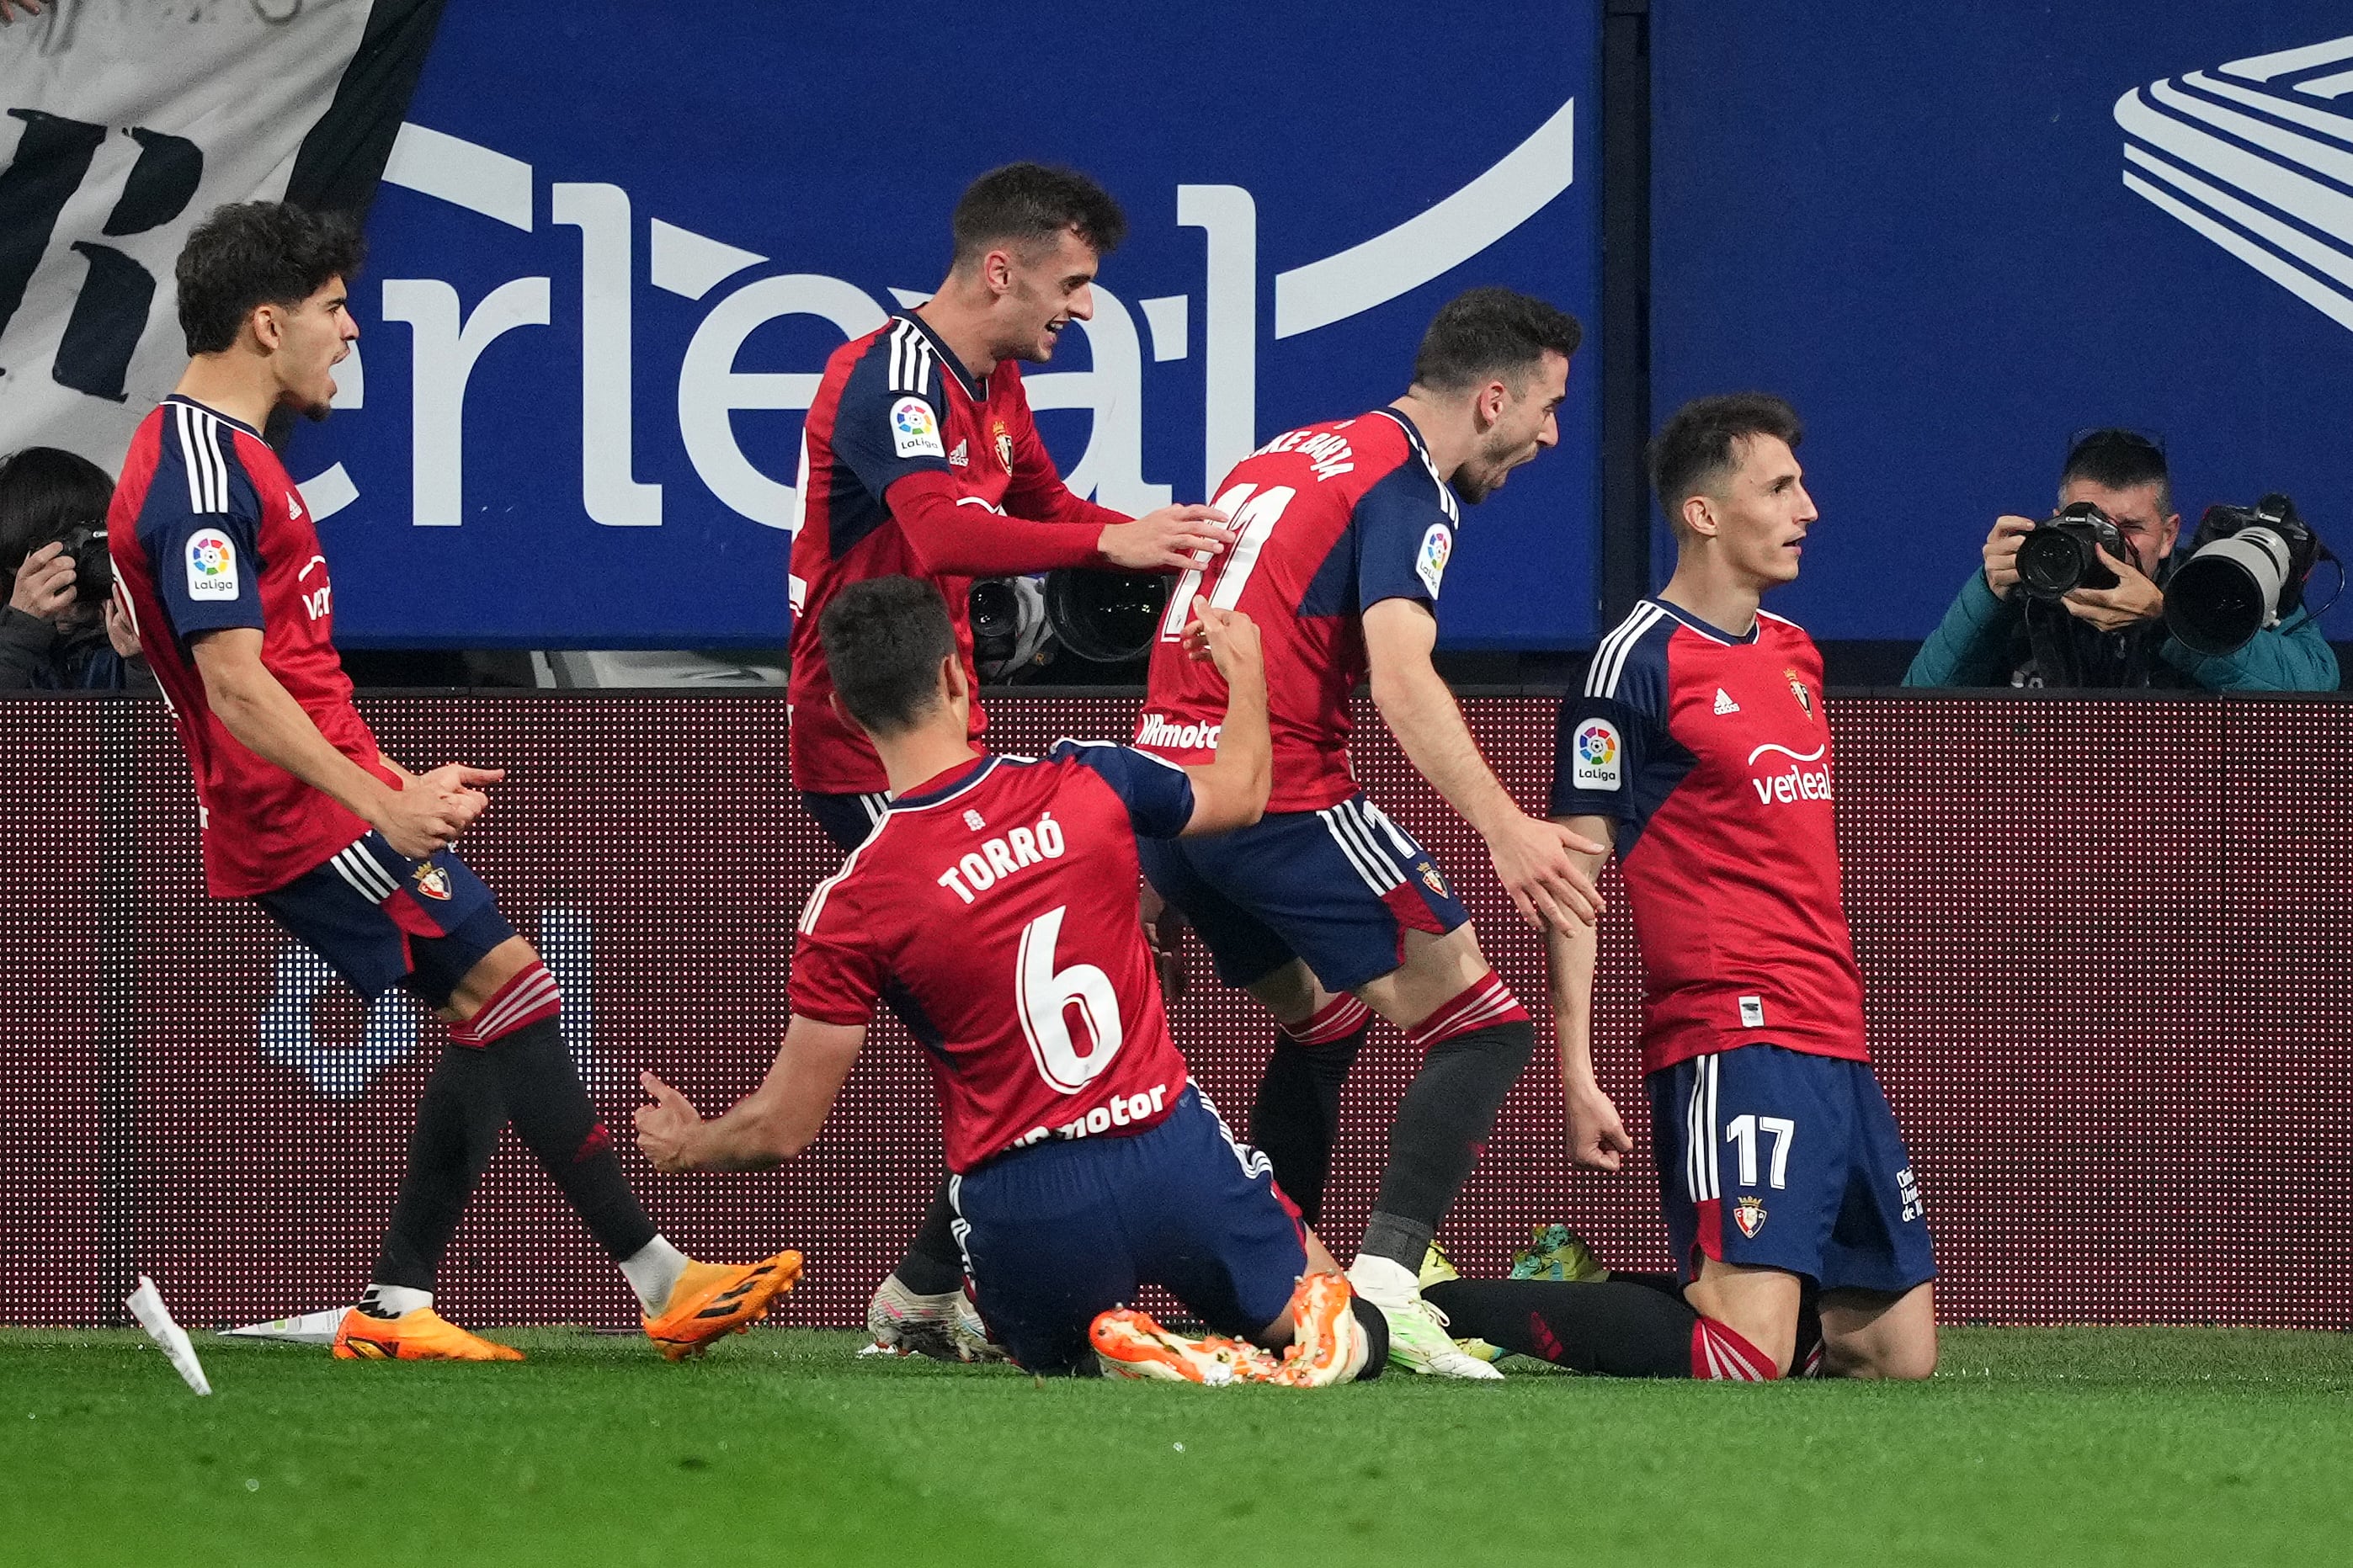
1383,1280
654,1271
394,1300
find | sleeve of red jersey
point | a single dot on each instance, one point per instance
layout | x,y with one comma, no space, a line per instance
837,968
201,528
1038,489
1607,736
1405,536
956,535
1158,795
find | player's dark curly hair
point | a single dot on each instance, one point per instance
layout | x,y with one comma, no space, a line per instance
1487,333
2120,459
884,639
1030,204
45,494
258,253
1699,443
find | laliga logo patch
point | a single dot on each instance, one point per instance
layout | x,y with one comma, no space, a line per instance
914,433
433,882
1004,445
211,565
1749,1214
1593,764
1430,563
1797,690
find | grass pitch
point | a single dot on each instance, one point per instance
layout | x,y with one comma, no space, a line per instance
2088,1446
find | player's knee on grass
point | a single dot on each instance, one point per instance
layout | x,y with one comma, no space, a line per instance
1760,1305
1871,1336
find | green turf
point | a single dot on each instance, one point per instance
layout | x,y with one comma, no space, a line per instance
2139,1446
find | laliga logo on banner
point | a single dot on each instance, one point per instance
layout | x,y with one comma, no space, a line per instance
2238,153
446,342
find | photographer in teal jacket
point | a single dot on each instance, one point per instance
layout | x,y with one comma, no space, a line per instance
2108,637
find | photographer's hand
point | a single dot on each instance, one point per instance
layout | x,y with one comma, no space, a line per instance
2133,600
2001,552
44,583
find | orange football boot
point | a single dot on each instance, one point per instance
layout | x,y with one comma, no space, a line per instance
713,1299
1131,1344
421,1335
1329,1345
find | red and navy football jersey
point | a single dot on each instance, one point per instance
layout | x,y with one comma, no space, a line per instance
893,403
1001,899
209,532
1331,519
1711,754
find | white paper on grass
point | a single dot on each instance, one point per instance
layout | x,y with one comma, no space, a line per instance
147,1306
303,1329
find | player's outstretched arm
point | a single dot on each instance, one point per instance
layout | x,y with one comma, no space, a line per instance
1536,860
767,1126
1597,1137
951,538
266,719
1231,792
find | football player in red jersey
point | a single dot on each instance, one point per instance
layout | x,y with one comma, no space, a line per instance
919,457
1328,911
1699,749
220,569
1085,1163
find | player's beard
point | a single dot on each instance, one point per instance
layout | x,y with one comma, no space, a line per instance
1478,477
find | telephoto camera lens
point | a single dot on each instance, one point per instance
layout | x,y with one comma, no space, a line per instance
1106,618
2228,592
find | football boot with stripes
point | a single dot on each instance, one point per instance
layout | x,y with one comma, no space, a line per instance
420,1335
1418,1338
1437,1268
714,1300
1131,1344
945,1327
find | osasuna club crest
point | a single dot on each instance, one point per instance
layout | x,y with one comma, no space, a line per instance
433,882
1797,690
1004,443
1749,1214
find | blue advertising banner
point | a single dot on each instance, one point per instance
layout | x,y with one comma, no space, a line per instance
614,246
1955,236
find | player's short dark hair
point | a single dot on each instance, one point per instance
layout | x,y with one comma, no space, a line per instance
1030,204
1486,333
45,494
2120,459
250,254
1700,443
884,639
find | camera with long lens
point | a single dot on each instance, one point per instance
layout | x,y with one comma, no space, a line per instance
1008,623
2246,568
1106,618
2060,553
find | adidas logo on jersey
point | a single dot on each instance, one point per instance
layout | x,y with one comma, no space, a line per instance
958,458
1724,703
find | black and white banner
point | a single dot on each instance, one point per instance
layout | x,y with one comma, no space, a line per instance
123,123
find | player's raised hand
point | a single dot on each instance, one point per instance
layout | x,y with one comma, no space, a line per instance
1227,638
1534,861
1169,539
664,1127
44,583
1597,1136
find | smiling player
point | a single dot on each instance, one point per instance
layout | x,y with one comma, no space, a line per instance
220,566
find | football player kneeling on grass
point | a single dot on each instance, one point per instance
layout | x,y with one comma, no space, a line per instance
997,898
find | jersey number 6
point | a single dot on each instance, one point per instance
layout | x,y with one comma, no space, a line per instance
1253,515
1045,996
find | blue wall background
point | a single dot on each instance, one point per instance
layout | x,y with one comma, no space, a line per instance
830,145
1911,222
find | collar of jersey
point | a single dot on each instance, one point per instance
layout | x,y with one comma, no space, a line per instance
947,356
1706,630
934,792
182,398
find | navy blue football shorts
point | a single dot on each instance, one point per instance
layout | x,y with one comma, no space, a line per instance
382,919
1772,1158
1339,888
847,819
1057,1233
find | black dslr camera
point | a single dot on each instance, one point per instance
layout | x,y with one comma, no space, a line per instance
2246,568
2060,554
85,545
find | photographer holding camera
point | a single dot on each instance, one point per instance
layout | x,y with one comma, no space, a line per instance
2117,516
61,630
